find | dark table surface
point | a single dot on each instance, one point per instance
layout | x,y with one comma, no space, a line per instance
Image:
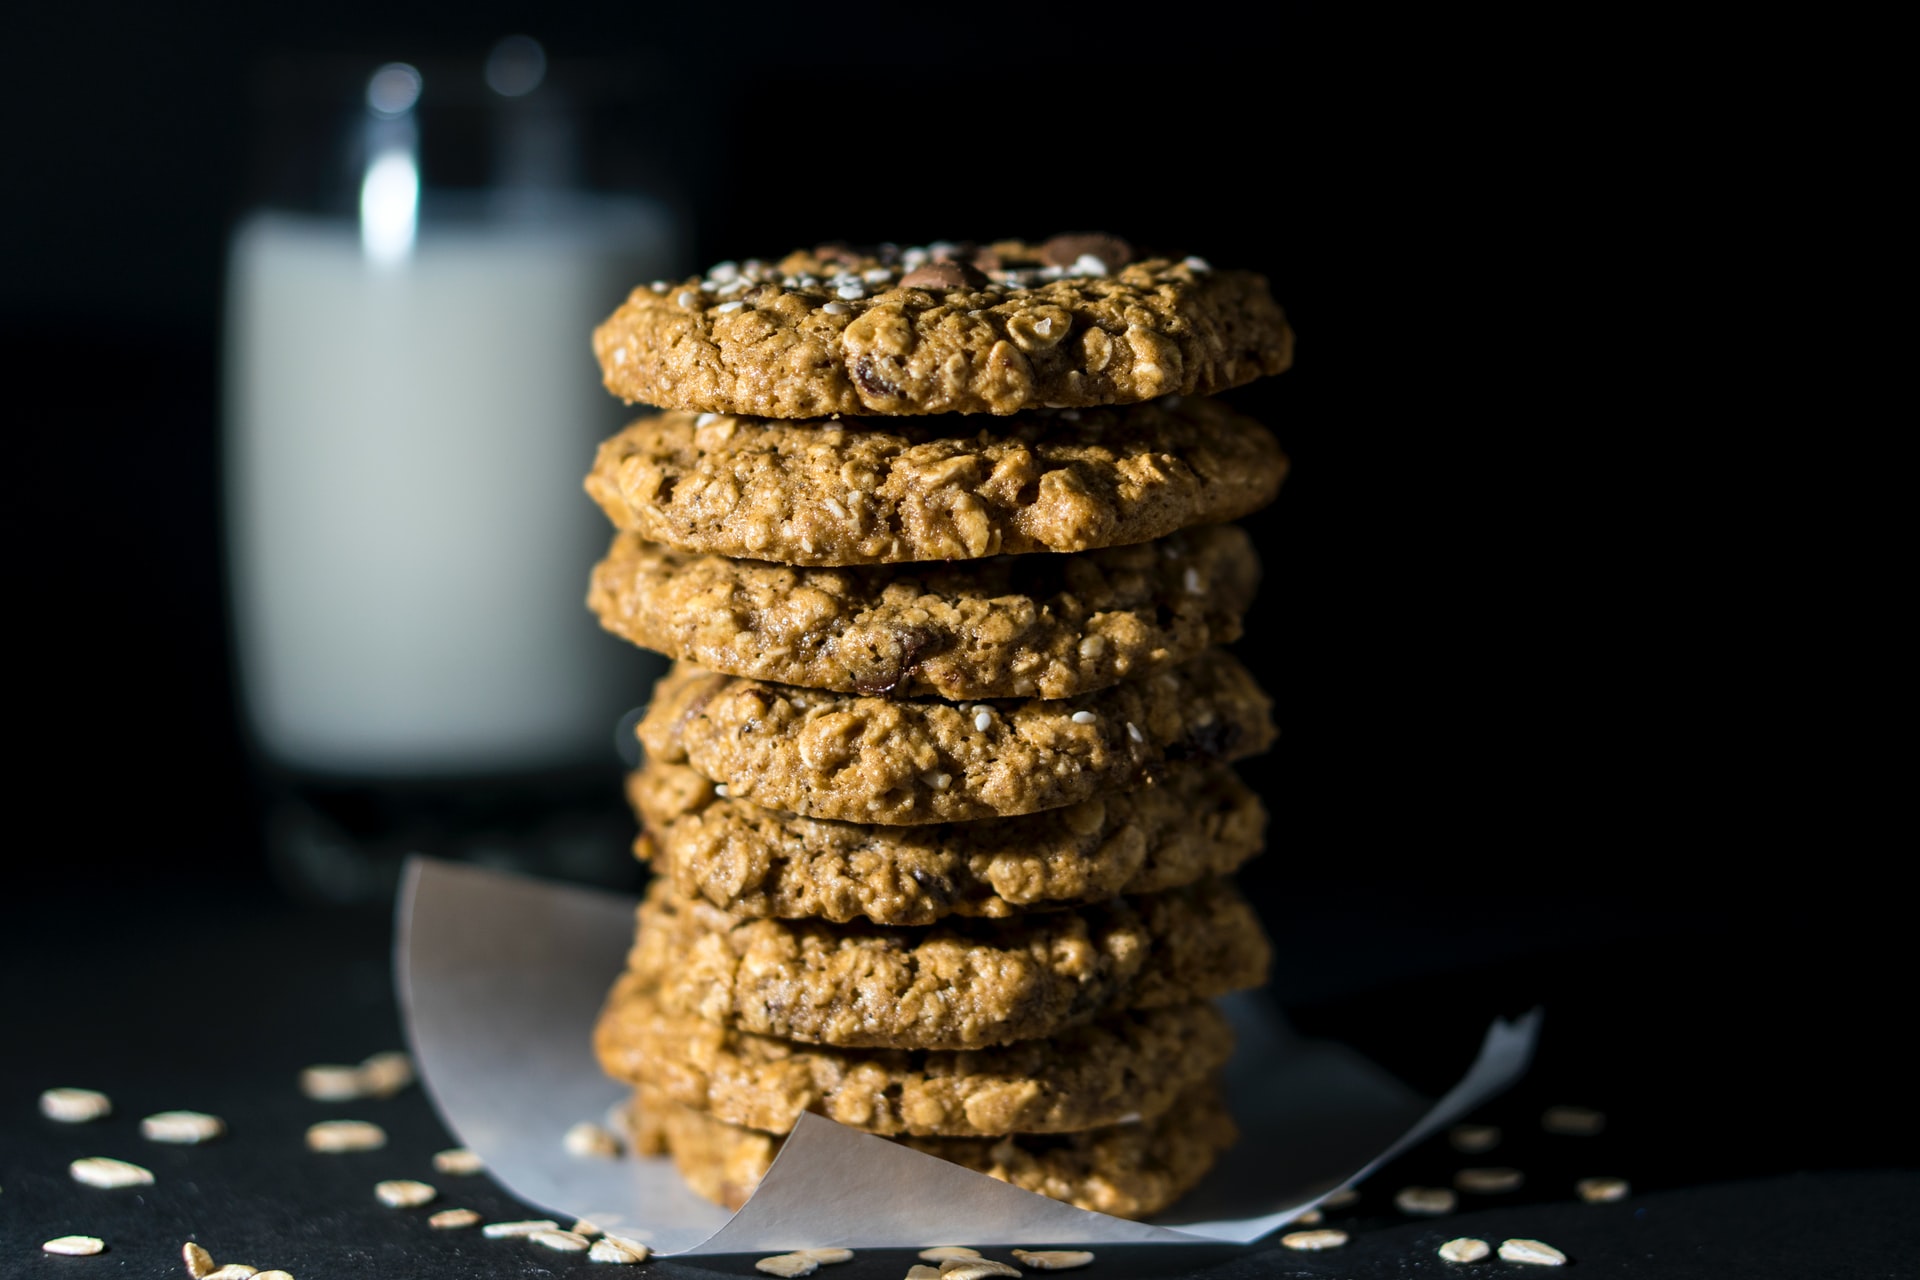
1761,1136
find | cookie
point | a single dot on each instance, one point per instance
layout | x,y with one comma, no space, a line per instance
1012,626
1130,1065
861,491
869,759
1127,1170
1016,327
961,984
749,861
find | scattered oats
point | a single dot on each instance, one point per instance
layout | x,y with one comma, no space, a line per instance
1311,1218
982,720
233,1271
1340,1199
403,1193
1194,585
833,505
1465,1249
719,789
199,1261
921,1271
273,1275
613,1251
1084,717
453,1219
1424,1201
457,1161
506,1230
345,1135
688,298
828,1254
1133,731
1324,1238
975,1269
1472,1139
632,1244
942,1252
787,1264
1538,1252
75,1106
330,1082
728,308
1054,1259
182,1126
836,308
562,1241
103,1171
1578,1122
1490,1181
74,1246
581,1227
385,1074
1602,1190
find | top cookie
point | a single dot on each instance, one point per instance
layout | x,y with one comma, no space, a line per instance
1075,322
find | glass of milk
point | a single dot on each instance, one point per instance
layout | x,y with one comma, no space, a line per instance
410,405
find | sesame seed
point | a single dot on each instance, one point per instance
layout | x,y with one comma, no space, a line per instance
1472,1139
787,1264
688,298
103,1171
878,275
453,1219
186,1127
561,1241
1601,1190
1193,583
199,1261
1092,647
1088,265
706,418
1424,1201
938,781
1054,1259
836,308
728,308
915,257
75,1106
1133,731
982,720
508,1230
590,1140
660,286
345,1135
1465,1249
720,789
1578,1122
74,1246
852,292
833,505
1196,264
1536,1252
1043,326
457,1161
403,1193
1488,1182
725,271
1314,1241
1084,717
944,1252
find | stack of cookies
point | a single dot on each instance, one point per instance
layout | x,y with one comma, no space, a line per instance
938,790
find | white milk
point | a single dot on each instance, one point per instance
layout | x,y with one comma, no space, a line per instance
408,540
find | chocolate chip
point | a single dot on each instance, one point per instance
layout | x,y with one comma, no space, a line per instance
1064,251
943,275
985,259
939,888
1207,742
961,252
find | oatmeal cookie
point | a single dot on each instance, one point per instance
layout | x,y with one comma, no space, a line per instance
1128,1170
1077,321
1129,1065
961,984
869,759
1197,822
866,492
1011,627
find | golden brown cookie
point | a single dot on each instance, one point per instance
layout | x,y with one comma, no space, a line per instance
1197,822
864,491
1128,1170
1012,626
868,759
961,984
1077,321
1129,1064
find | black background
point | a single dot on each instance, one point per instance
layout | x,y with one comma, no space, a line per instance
1537,642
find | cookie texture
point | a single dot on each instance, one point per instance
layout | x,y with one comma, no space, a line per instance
1002,329
861,491
869,759
1013,626
1128,1170
1197,822
956,985
1130,1065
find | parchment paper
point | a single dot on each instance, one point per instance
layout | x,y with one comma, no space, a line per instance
500,978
